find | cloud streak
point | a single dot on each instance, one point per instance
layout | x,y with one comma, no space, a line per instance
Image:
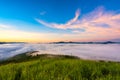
15,35
97,23
25,36
2,26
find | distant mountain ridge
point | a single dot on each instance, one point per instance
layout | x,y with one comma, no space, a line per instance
70,42
10,42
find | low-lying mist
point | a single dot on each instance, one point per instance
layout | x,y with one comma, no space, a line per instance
86,51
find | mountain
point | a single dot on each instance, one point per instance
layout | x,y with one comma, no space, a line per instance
107,42
10,42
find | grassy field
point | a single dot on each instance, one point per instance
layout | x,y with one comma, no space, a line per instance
50,67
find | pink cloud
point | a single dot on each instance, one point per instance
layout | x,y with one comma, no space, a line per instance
97,24
77,14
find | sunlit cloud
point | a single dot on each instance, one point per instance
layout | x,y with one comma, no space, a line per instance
72,21
98,24
23,36
14,35
61,26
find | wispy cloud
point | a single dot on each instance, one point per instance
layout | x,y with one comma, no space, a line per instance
61,26
72,21
3,26
98,22
43,13
9,33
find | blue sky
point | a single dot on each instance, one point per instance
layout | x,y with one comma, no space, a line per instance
51,17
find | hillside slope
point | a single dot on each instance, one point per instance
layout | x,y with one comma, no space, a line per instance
56,67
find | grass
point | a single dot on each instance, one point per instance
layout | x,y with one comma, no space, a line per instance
45,67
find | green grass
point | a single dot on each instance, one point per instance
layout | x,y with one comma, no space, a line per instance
45,67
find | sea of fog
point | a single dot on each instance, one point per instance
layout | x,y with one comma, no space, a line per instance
86,51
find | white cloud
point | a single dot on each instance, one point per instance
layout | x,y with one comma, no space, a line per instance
2,26
43,13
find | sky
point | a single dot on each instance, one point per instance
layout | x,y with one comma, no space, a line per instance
59,20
